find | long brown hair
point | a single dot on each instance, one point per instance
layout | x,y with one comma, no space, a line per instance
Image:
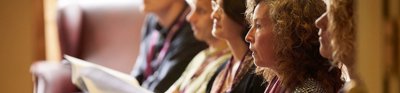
342,29
297,46
235,10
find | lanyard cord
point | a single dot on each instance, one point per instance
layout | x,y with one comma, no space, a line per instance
230,65
155,36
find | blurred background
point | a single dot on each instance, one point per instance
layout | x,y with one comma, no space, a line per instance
107,32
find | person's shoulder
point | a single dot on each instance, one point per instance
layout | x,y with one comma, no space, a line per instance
310,86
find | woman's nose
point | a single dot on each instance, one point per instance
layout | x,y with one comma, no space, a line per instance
191,18
249,37
214,14
321,22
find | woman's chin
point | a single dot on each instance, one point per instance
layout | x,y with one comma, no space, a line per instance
324,53
259,63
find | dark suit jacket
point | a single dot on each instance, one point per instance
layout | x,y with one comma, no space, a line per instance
183,48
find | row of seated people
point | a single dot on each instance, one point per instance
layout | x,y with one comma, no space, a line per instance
251,46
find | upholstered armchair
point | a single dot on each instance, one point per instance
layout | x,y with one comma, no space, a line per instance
105,32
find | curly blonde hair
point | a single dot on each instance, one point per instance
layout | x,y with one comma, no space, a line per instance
297,45
342,29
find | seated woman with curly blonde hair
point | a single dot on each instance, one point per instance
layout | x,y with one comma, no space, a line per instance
284,41
338,36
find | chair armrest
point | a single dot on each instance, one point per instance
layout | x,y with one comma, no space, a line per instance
52,78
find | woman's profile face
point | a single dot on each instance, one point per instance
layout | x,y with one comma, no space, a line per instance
199,18
261,38
224,27
324,35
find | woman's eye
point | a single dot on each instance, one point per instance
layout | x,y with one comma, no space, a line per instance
200,11
257,26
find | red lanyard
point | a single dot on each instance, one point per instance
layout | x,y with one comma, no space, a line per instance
273,86
229,67
166,45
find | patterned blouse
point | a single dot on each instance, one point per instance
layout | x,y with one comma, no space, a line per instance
309,86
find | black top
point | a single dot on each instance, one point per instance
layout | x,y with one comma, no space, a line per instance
181,51
250,82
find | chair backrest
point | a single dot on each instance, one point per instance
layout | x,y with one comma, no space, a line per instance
69,27
106,32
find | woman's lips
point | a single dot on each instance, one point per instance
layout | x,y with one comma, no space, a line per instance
194,28
216,24
253,53
320,33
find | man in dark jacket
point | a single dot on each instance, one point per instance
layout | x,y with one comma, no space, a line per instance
167,46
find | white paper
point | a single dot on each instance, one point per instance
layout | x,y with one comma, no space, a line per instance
94,78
